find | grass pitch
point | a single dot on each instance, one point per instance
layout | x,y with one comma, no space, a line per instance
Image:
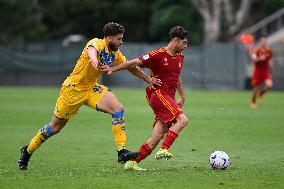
83,155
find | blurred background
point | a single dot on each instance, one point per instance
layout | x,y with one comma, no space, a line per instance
40,41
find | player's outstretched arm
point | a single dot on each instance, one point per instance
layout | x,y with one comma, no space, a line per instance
140,74
180,89
125,65
131,66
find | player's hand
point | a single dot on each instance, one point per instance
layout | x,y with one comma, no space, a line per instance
94,63
154,81
106,68
180,101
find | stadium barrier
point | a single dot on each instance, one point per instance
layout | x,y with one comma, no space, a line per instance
217,66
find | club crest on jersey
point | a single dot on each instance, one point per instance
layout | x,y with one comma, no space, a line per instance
166,63
145,57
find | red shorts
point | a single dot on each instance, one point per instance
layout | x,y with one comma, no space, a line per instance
164,106
260,77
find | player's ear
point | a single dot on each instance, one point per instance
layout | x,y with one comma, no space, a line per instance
108,38
176,40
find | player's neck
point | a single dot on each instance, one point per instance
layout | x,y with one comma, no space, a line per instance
107,45
171,50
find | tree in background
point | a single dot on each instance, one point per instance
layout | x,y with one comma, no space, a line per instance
221,18
66,17
145,21
20,20
166,14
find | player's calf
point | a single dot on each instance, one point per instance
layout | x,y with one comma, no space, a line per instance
267,87
26,151
181,122
42,135
118,129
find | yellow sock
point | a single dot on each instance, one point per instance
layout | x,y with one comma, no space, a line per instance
42,135
118,129
35,143
119,136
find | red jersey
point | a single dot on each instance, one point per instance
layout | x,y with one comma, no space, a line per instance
263,65
166,67
261,71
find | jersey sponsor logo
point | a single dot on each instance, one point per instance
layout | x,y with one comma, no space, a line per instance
145,57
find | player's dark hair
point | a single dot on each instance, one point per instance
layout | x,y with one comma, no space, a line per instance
179,32
112,29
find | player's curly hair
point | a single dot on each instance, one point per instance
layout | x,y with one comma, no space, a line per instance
112,29
179,32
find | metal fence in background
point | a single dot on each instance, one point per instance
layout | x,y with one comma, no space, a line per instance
218,66
278,66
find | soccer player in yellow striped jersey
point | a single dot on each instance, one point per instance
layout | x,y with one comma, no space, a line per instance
82,88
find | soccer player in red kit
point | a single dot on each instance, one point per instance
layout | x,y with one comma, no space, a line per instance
166,64
261,72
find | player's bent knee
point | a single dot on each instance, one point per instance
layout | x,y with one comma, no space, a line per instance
183,119
120,107
269,84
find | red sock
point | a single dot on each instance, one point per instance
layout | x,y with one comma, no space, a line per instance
169,139
145,151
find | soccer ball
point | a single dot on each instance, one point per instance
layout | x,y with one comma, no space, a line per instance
219,160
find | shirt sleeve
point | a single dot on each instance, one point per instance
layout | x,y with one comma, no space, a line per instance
149,59
119,58
96,44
